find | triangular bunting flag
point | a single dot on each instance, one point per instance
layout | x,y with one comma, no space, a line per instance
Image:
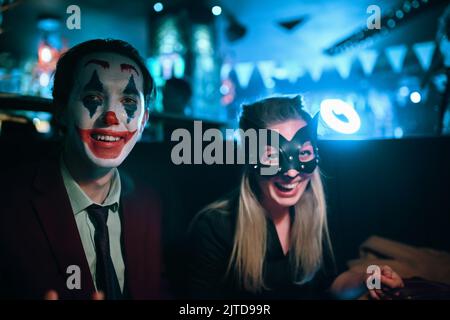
396,57
315,70
244,72
294,70
343,64
424,52
368,58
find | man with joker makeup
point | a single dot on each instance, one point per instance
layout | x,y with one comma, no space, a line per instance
72,227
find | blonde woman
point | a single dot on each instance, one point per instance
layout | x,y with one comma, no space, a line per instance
269,239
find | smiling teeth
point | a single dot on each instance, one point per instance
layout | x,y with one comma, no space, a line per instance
288,186
106,138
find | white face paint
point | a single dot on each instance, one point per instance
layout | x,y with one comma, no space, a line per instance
106,113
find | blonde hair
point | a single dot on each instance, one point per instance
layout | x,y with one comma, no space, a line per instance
309,230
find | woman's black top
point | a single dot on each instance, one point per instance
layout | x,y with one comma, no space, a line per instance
210,244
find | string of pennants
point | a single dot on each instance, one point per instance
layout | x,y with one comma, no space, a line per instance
292,70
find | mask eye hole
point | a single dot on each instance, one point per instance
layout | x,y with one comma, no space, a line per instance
306,152
270,156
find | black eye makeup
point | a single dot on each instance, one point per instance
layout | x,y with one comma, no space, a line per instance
92,101
129,103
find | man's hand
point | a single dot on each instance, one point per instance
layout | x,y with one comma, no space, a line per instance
389,280
53,295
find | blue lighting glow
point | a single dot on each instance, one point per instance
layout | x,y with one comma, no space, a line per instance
179,67
403,91
224,90
49,24
415,97
158,7
391,23
216,10
398,132
44,79
46,54
399,14
406,7
333,110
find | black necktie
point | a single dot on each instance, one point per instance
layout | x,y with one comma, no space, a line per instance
106,278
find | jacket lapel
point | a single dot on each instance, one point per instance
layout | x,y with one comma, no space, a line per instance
141,210
132,239
53,208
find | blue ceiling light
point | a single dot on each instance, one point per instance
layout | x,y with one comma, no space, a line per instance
216,10
48,23
158,7
415,97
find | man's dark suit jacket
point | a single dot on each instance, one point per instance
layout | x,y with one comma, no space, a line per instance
39,238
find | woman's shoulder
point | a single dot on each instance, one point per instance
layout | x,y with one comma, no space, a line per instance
211,219
217,221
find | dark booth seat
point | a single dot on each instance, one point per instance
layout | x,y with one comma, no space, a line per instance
398,189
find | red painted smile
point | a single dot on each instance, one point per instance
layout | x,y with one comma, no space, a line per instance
106,144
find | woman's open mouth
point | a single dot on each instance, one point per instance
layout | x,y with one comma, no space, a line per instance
286,187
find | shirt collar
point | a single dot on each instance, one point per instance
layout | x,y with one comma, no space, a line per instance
79,201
